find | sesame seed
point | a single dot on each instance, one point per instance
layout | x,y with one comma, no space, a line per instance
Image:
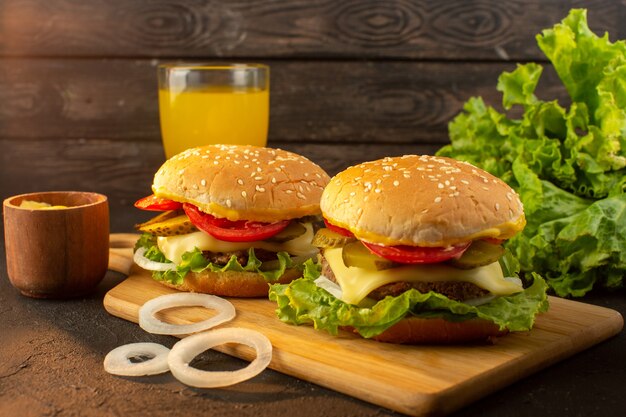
300,195
396,183
244,194
229,203
440,185
273,180
260,189
240,181
258,178
203,183
377,190
424,211
453,187
438,200
465,182
216,162
497,206
485,188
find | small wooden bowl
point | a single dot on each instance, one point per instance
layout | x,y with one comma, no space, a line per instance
57,253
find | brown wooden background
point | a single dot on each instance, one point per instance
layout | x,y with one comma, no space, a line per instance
351,80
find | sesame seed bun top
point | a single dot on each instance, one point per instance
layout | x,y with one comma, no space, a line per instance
421,201
243,182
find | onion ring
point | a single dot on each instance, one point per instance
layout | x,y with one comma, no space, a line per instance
117,361
148,322
185,350
150,265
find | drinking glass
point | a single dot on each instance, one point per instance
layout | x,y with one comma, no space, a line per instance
202,104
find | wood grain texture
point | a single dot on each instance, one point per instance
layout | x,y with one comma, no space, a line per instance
367,101
415,380
457,29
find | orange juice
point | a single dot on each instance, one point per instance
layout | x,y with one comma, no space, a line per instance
213,114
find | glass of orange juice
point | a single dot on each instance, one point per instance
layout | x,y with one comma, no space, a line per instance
201,104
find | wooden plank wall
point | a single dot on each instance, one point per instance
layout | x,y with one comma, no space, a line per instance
351,80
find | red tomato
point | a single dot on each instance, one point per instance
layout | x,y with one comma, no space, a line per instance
232,231
154,203
405,254
339,230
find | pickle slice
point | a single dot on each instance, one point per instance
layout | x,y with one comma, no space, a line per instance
292,231
169,223
325,238
480,253
356,254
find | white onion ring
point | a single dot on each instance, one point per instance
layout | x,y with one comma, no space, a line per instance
117,361
185,350
148,322
150,265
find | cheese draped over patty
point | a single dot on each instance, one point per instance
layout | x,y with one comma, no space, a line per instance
356,283
173,247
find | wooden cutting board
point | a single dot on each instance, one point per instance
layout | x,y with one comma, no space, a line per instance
415,380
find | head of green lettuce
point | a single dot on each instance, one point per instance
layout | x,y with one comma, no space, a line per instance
568,164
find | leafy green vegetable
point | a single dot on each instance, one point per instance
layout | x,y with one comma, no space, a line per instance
195,262
303,302
567,164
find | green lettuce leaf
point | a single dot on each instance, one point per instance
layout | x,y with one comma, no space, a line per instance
567,164
303,302
194,261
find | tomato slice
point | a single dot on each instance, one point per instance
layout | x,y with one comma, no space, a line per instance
405,254
339,230
154,203
232,231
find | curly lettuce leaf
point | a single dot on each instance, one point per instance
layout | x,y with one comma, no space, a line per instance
303,302
567,164
194,261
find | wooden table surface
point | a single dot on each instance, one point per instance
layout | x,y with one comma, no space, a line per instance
52,352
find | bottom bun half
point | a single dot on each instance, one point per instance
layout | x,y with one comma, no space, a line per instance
231,283
416,330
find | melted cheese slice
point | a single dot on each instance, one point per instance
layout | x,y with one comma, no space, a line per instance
173,247
357,283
